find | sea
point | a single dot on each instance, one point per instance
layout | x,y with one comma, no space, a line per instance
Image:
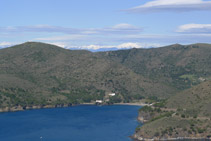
76,123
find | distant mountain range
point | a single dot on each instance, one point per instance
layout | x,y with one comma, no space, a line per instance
42,74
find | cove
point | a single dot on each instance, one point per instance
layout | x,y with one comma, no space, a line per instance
77,123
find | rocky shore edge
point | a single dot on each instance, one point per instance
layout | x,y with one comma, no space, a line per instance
144,117
135,138
23,108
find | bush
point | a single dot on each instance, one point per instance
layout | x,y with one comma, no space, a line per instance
115,99
161,104
168,114
179,109
200,130
183,116
158,110
209,136
146,109
153,98
157,134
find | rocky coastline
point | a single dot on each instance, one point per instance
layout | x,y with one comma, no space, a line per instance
22,108
147,117
135,138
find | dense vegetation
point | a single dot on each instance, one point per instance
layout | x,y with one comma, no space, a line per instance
42,74
176,65
187,114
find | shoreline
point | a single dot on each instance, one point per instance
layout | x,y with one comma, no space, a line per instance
132,104
20,108
133,137
171,139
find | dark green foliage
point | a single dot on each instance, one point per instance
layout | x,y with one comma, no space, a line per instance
47,74
146,109
200,130
36,73
157,110
153,98
160,104
115,99
183,116
177,65
83,96
167,114
157,134
138,127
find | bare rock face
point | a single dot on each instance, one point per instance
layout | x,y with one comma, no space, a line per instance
144,116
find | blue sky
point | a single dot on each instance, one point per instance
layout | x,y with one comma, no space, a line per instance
95,24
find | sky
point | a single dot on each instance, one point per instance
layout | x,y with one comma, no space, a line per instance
105,24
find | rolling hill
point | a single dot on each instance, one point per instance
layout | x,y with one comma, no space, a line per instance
179,66
185,115
41,74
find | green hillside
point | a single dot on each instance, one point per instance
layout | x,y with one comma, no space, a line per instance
42,74
187,114
179,66
195,101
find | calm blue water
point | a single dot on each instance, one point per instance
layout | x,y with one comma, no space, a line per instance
79,123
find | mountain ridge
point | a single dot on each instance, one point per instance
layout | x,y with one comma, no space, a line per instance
35,73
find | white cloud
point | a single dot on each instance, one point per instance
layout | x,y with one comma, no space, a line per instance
194,28
6,44
60,44
116,29
124,26
166,39
97,47
39,28
129,41
130,45
136,45
172,5
62,38
139,45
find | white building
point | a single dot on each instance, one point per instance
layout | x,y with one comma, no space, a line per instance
113,94
99,101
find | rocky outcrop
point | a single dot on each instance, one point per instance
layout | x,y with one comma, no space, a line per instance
144,116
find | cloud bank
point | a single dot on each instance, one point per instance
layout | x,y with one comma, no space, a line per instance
6,44
120,36
122,28
194,28
127,45
172,5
